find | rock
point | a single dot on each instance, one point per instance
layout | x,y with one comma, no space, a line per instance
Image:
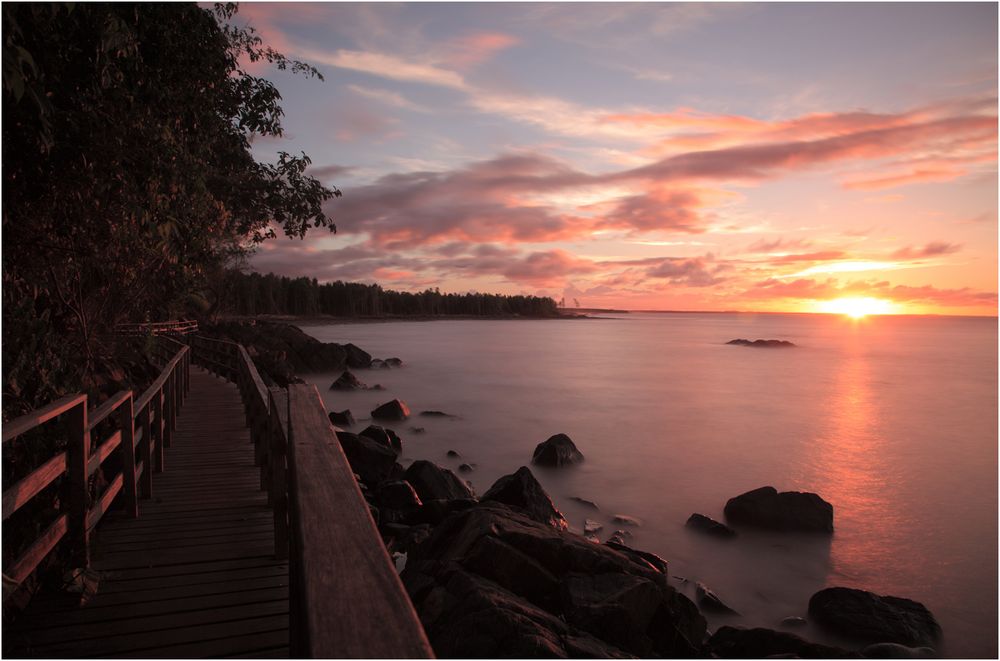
586,503
709,526
592,537
894,651
627,520
356,357
558,450
739,643
398,495
766,344
466,468
786,511
619,537
436,511
347,381
522,491
342,418
437,414
392,410
417,430
386,437
868,617
794,622
591,526
710,601
492,582
377,386
645,558
371,460
452,453
376,363
433,482
392,362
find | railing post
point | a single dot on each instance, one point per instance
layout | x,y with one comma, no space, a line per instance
146,453
278,487
178,388
159,434
168,414
125,415
77,455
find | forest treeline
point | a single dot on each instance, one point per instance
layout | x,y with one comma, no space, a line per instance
253,293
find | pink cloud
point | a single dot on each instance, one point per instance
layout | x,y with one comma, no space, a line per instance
473,49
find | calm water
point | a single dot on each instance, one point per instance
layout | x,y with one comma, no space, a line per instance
893,420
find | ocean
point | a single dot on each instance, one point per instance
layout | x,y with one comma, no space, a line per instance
891,419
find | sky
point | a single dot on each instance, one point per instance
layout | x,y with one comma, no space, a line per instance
658,156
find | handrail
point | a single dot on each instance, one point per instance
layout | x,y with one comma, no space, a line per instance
179,327
339,592
155,415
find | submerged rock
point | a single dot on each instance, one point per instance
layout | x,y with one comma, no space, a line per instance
452,454
786,511
868,617
392,362
709,526
435,483
626,520
385,436
342,418
586,503
347,381
437,414
767,344
739,643
522,491
793,622
558,450
710,601
492,582
591,526
896,651
392,410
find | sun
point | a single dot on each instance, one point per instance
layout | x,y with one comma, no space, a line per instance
856,308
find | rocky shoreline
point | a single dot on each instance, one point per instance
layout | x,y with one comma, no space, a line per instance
501,574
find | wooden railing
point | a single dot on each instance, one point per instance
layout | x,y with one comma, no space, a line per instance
346,600
176,327
142,428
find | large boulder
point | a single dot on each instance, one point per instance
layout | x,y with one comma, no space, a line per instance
371,460
398,495
356,357
868,617
558,450
392,410
347,381
739,643
435,483
788,510
343,418
386,437
492,582
709,526
522,491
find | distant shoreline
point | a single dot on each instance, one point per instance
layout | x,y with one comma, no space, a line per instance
331,320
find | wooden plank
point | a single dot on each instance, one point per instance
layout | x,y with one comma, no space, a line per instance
225,647
29,560
28,421
98,415
28,487
77,456
346,587
104,502
194,570
102,452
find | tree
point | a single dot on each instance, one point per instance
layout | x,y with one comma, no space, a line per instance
128,179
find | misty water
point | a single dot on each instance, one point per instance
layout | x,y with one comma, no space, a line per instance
893,420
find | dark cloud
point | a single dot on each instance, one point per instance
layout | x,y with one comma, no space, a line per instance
932,249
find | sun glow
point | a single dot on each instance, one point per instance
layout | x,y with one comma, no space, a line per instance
856,308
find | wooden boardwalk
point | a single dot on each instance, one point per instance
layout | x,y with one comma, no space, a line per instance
195,575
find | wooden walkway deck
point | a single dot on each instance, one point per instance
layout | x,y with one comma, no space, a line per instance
195,575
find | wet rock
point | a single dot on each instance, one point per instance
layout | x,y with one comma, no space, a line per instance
435,483
785,511
452,453
347,381
417,430
739,643
377,386
522,491
491,582
376,363
619,536
392,410
646,558
709,526
558,450
343,418
392,362
793,622
436,511
437,414
466,468
710,601
868,617
385,436
766,344
591,526
627,520
371,460
895,651
398,495
586,503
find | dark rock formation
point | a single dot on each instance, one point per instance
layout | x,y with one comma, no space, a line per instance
789,510
466,468
739,643
590,526
793,622
386,437
626,520
392,410
558,450
347,381
371,460
586,503
895,651
522,491
868,617
417,430
437,414
435,483
709,601
392,362
452,453
343,418
709,526
376,363
398,495
491,582
641,557
767,344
